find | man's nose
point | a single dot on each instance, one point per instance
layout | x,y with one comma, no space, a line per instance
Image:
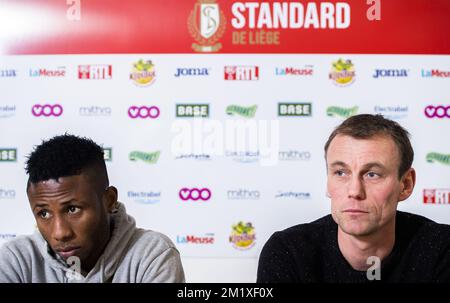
356,188
62,231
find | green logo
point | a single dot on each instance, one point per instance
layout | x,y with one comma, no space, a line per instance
150,158
444,159
247,112
192,110
342,112
107,153
8,154
294,109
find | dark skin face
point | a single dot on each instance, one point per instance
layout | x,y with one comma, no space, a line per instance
73,215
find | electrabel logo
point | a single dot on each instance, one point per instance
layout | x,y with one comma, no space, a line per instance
58,72
291,194
438,157
435,73
95,111
392,112
390,73
294,155
8,154
207,238
6,237
143,112
144,197
293,71
147,157
241,73
341,112
192,110
194,194
95,72
243,111
243,194
436,196
7,111
8,73
192,72
243,235
143,73
342,72
439,111
107,154
294,109
7,193
47,110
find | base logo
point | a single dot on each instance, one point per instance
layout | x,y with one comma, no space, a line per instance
143,73
342,72
436,196
107,154
192,110
243,236
206,24
294,109
8,154
342,112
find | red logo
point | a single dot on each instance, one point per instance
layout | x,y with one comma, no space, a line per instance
241,73
436,196
95,72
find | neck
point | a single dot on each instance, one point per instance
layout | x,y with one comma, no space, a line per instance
357,249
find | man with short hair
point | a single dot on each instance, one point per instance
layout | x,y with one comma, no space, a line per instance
365,238
84,234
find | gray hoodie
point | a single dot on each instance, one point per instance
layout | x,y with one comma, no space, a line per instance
132,255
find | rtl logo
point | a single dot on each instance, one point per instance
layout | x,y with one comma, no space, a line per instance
95,72
241,73
436,196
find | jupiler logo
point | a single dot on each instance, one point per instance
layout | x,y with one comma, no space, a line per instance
206,24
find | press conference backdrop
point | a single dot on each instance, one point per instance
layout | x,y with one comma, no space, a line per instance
213,114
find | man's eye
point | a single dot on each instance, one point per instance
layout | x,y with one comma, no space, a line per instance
372,175
44,214
339,173
73,209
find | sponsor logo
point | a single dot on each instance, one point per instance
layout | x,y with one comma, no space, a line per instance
241,73
437,157
8,73
342,112
392,112
294,109
201,157
95,72
243,156
439,111
47,110
143,112
192,110
206,24
143,73
294,155
194,194
144,197
246,112
436,196
242,235
194,71
8,154
292,71
95,111
435,73
59,72
149,158
390,73
107,154
243,194
342,72
7,193
7,111
208,238
7,236
291,194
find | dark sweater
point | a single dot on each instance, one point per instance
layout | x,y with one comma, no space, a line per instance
310,253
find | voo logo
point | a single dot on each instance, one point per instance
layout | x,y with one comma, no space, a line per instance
194,194
143,112
47,110
437,111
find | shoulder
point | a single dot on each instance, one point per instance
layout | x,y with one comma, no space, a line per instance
151,242
423,227
21,247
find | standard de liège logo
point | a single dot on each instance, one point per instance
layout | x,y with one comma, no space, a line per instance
206,24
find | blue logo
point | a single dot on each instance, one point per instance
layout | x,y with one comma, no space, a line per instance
144,197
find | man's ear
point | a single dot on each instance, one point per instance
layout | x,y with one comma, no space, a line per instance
407,184
110,199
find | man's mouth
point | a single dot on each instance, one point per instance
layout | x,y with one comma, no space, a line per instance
67,251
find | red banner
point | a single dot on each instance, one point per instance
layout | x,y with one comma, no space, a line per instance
222,26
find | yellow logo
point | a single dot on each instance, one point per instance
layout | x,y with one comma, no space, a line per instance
342,72
243,235
143,72
206,24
